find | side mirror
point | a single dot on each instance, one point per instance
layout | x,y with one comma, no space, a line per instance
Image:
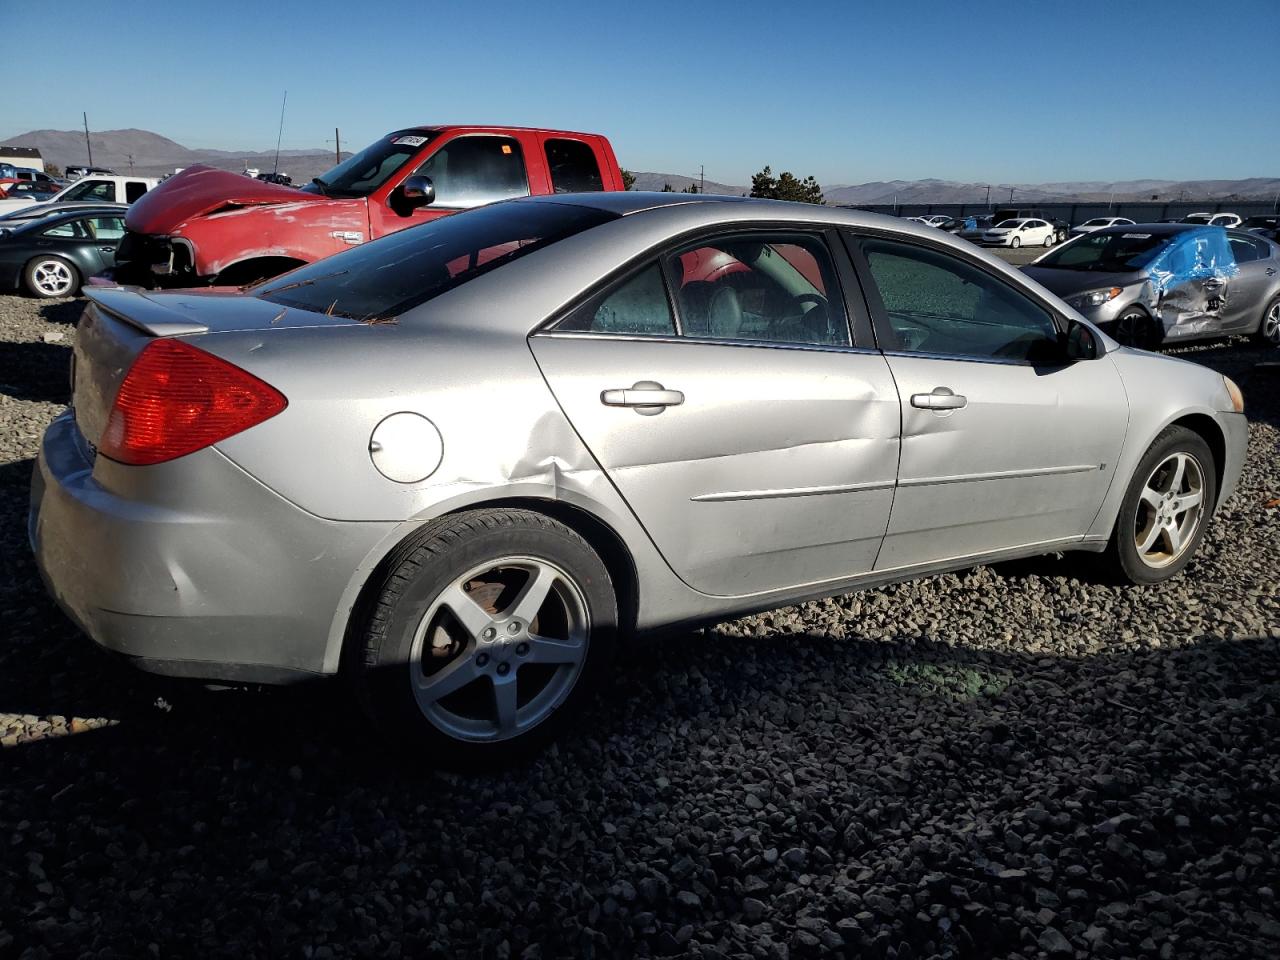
1079,342
418,190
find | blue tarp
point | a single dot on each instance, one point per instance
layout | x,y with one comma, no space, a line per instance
1193,255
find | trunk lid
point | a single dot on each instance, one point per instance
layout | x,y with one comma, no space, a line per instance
201,190
119,322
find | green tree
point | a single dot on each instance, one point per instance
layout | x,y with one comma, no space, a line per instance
667,188
691,188
53,170
785,186
628,179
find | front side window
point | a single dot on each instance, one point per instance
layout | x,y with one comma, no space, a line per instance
362,173
385,278
773,287
938,304
133,189
471,171
573,166
92,190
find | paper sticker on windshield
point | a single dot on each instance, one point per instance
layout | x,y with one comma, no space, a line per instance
410,141
1137,236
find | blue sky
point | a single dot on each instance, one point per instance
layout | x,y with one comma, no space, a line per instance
982,90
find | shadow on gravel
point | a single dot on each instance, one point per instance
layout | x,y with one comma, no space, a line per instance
873,794
36,371
63,311
1254,367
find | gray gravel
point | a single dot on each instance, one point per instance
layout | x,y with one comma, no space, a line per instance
1005,761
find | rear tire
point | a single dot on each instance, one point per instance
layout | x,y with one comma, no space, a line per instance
486,634
51,278
1165,510
1268,332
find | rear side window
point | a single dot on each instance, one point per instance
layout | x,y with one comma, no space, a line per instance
71,229
95,190
573,167
134,189
639,305
471,171
1246,249
398,272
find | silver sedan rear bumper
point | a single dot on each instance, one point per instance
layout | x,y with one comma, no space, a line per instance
191,568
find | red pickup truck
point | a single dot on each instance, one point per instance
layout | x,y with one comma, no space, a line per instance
207,226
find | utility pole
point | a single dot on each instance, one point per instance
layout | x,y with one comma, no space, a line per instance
702,178
87,145
988,196
1011,194
130,156
337,147
280,133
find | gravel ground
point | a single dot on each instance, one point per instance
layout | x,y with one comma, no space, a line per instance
1005,761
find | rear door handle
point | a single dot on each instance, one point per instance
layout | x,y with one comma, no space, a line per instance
647,397
942,398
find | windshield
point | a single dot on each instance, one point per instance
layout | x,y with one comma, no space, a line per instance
1096,223
366,171
385,278
1203,218
1107,252
1007,224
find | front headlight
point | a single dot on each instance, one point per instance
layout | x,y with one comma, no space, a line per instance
1094,298
1237,398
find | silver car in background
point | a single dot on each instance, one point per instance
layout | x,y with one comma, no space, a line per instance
466,463
1119,278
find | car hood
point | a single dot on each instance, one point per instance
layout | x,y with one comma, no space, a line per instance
1066,283
201,190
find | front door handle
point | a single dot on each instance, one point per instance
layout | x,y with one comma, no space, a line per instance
942,398
1271,271
647,397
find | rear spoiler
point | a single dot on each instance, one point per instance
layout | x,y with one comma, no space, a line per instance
133,307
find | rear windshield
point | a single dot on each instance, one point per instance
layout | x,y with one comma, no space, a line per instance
389,276
1107,252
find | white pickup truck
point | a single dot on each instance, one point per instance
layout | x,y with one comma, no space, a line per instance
94,188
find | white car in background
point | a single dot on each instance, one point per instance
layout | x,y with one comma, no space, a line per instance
1214,219
1020,233
1097,223
90,189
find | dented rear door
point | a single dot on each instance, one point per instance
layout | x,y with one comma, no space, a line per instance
775,468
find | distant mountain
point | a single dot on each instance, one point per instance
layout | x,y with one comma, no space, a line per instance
153,155
656,181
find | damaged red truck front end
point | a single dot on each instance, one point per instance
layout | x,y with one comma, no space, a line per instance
206,226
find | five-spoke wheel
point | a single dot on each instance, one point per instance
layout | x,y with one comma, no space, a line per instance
1165,510
51,277
488,631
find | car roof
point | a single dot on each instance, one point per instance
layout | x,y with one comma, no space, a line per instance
1156,229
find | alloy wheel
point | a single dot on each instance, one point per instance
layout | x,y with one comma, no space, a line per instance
499,649
53,278
1270,328
1170,509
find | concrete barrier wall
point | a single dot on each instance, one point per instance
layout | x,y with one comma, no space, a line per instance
1076,213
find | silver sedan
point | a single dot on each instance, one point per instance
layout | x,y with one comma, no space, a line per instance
466,463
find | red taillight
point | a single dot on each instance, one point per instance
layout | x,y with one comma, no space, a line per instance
177,399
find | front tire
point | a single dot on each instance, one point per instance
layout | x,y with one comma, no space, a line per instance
486,635
1135,328
1269,326
1015,243
51,278
1165,510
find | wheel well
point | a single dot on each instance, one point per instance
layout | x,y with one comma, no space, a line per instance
259,268
1210,433
603,540
601,537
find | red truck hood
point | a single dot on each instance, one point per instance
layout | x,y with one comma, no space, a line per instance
201,190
